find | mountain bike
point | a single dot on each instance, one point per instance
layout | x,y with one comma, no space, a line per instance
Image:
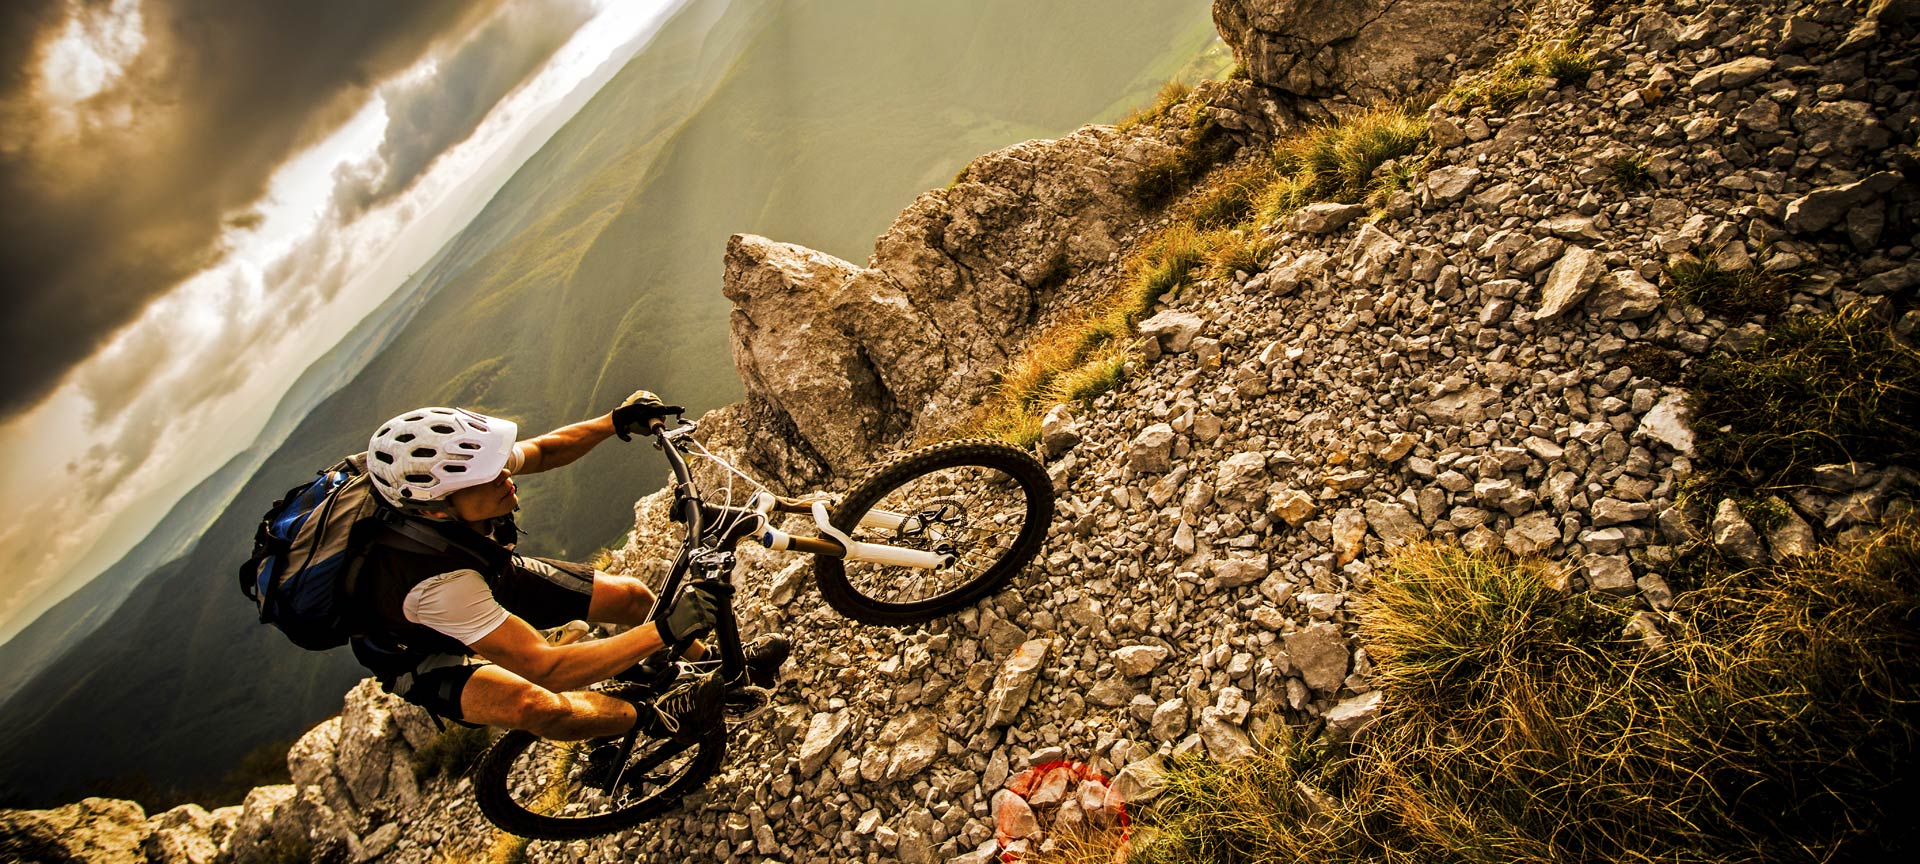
923,534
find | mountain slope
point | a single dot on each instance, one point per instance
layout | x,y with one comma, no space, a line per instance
593,271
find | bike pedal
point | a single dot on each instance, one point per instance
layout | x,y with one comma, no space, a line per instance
745,703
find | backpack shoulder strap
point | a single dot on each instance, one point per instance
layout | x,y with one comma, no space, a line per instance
399,523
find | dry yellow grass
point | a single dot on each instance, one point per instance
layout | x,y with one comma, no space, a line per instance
1776,722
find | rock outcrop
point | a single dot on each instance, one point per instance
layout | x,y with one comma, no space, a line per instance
1305,59
841,359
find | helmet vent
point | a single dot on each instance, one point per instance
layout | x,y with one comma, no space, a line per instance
383,456
424,452
403,437
456,468
442,428
419,478
413,418
469,445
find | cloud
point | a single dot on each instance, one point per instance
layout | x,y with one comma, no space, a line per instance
428,114
128,151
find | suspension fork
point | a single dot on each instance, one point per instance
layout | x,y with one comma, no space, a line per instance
713,573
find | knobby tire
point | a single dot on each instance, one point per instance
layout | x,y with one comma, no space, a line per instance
1036,490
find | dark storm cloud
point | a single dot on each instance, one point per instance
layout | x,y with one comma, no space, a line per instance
426,116
113,202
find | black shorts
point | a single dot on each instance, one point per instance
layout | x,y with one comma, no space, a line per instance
541,591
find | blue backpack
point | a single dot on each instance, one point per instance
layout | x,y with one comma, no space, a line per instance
307,554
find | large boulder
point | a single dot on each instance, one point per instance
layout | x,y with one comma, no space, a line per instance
287,823
839,359
1370,50
92,831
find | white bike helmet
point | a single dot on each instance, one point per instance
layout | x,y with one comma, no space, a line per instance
421,457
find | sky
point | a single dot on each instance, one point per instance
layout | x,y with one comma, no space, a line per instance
202,197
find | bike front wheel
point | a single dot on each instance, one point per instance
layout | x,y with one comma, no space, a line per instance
983,504
552,790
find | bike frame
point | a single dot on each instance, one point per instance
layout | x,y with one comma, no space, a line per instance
706,557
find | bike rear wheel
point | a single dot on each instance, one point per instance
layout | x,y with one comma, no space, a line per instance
545,790
984,503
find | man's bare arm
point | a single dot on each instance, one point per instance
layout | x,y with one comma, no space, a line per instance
563,445
520,649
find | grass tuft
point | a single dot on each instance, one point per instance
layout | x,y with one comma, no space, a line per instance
1777,723
1231,197
1171,94
452,753
1558,63
1816,389
1731,293
1654,362
1629,171
1337,162
1207,145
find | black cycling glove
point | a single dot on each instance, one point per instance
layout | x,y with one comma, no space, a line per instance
691,615
642,412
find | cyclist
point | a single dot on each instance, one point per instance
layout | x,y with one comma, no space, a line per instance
453,611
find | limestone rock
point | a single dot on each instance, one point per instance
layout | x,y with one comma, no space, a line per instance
1225,741
1464,406
1319,654
1823,207
1306,268
1139,781
1793,537
1734,536
825,733
1349,533
1325,217
1844,125
1610,574
1371,50
1578,269
1532,534
1394,523
183,835
93,830
1012,815
1169,720
1058,432
1613,511
1292,505
1174,329
839,359
1730,75
1354,714
913,741
1668,423
1242,477
1152,450
1452,183
1015,682
275,819
1235,571
1134,661
1624,295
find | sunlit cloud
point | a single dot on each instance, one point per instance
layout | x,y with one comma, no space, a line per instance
194,377
92,52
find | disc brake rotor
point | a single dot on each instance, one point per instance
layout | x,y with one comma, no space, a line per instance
936,525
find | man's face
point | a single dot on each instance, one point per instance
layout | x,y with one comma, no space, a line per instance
478,503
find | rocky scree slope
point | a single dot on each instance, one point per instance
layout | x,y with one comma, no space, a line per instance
1483,362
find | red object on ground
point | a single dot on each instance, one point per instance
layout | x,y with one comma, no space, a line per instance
1056,782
